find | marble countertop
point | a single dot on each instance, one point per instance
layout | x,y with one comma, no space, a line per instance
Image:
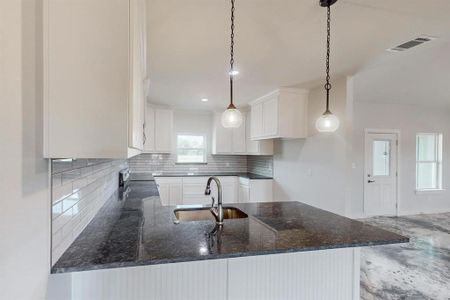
139,231
251,176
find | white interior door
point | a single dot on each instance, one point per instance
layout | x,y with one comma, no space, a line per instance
380,178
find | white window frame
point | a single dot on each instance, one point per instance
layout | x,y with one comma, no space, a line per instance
205,148
438,143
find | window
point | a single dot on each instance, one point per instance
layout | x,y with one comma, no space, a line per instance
429,161
191,148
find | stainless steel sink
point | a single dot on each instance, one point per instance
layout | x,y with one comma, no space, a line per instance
204,213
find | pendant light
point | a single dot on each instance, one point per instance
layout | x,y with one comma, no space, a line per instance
232,117
328,122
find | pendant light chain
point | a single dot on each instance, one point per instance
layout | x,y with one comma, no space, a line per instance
328,85
232,55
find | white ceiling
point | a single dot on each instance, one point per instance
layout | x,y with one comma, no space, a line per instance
278,43
420,76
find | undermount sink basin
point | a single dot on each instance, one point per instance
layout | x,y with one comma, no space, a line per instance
204,213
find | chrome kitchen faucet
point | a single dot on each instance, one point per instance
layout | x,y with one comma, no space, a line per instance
216,211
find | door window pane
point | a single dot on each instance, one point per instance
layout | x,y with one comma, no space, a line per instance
381,158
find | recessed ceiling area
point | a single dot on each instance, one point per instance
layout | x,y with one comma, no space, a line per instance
278,43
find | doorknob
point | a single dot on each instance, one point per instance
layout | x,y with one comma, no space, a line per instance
370,181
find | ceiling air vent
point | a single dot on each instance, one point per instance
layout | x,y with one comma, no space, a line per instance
411,44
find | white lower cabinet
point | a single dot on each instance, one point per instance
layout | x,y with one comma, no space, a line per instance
191,190
194,190
255,190
244,193
170,190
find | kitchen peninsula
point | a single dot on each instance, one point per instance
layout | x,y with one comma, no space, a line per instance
144,252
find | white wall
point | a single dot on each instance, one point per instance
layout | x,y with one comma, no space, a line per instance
312,170
24,204
410,120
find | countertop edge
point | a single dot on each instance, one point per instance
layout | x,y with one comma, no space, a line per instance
131,264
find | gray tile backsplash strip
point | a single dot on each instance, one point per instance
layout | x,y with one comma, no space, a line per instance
80,187
143,165
261,165
150,163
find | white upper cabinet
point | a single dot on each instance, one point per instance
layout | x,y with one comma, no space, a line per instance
158,129
261,147
222,137
228,140
280,114
237,140
94,72
138,73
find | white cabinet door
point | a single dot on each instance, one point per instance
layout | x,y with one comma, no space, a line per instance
244,193
137,73
270,117
164,193
194,190
170,190
86,79
176,194
222,137
229,189
163,130
149,144
257,120
252,146
239,139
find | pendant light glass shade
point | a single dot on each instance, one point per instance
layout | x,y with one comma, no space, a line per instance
327,123
231,118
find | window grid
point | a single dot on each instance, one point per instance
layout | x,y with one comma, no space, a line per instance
191,148
434,164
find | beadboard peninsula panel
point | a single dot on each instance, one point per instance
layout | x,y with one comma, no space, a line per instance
203,280
316,275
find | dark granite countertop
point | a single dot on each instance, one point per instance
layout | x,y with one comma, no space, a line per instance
139,231
145,176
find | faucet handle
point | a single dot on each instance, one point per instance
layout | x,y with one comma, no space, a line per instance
212,201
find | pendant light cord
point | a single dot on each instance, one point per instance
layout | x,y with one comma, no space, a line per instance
232,55
327,84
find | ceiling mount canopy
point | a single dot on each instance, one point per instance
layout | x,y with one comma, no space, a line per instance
325,3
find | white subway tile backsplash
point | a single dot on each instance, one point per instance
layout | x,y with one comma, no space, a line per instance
60,192
80,187
261,165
